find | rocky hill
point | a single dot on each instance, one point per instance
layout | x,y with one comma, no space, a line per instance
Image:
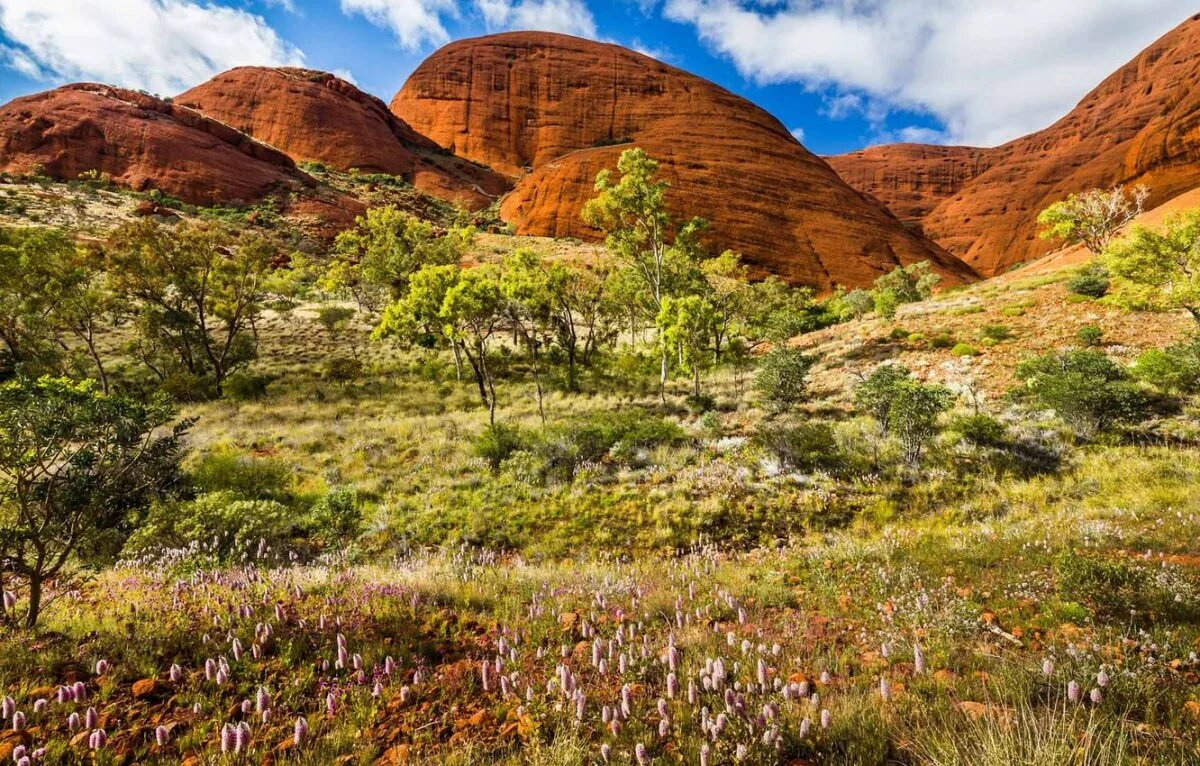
1140,126
315,116
551,111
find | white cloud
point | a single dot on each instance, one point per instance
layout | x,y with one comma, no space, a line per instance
415,23
989,70
345,74
798,134
570,17
163,46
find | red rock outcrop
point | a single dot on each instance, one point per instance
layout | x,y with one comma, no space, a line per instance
553,110
315,116
142,143
912,179
1140,126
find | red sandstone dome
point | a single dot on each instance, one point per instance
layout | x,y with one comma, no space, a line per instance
315,116
140,142
1141,125
551,111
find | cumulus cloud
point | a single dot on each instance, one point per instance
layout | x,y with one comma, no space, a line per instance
798,134
988,70
570,17
163,46
415,23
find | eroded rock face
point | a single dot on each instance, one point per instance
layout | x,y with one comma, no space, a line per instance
1141,125
315,116
912,179
142,143
552,110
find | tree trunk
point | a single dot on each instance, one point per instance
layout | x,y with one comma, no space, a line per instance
35,601
662,378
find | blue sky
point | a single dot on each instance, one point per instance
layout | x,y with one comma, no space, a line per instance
843,74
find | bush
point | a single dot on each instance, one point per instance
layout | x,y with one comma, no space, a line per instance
913,416
1091,281
217,523
1089,391
230,471
886,304
698,404
1114,589
801,446
942,340
1175,369
246,386
1089,336
343,369
496,442
898,333
875,394
964,349
186,387
981,430
337,514
782,379
996,332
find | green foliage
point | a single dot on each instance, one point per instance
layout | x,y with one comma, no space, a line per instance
981,430
1175,369
913,416
374,261
337,516
1089,336
343,369
996,332
875,395
1091,281
782,379
686,326
1159,269
1093,218
246,386
497,443
1114,589
801,446
851,305
905,284
230,471
75,467
1089,391
964,349
196,290
220,524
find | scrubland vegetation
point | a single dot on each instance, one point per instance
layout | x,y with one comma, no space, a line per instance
388,504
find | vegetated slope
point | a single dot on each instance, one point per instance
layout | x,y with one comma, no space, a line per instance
1031,303
554,110
142,143
315,116
1141,125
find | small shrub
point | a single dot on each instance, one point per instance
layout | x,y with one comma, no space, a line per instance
1089,391
981,430
995,332
1175,369
698,404
246,386
782,379
1092,281
497,442
898,333
343,369
337,514
964,349
218,523
801,446
1089,336
942,340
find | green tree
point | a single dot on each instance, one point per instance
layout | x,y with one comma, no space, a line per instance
35,266
1175,369
1093,218
335,320
535,301
909,284
1159,270
374,261
875,393
1089,391
686,328
196,290
74,464
661,254
461,307
85,305
782,379
913,416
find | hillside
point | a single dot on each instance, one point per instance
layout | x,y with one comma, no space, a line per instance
1140,126
534,106
316,117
